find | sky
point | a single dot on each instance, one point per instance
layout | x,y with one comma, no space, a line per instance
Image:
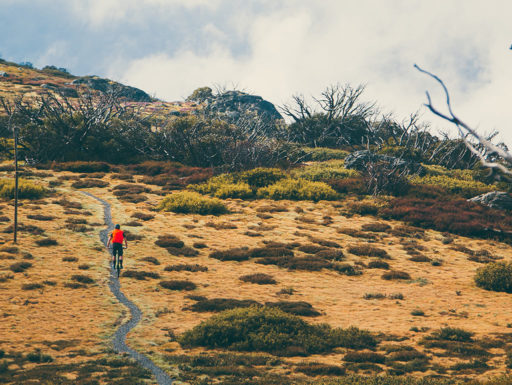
280,48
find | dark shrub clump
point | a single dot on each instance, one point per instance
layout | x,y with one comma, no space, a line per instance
220,304
271,330
20,267
178,285
140,275
258,278
169,241
185,267
46,242
495,277
231,255
369,251
296,308
395,274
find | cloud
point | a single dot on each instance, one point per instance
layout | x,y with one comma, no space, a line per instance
303,47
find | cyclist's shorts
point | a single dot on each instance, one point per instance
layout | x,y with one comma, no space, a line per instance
117,248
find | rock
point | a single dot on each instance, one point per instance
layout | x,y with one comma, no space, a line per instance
234,103
498,200
68,92
4,74
358,160
104,85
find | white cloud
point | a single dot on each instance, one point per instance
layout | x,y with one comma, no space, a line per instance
303,47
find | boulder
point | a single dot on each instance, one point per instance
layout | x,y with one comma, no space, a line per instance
358,160
4,74
495,199
234,103
104,85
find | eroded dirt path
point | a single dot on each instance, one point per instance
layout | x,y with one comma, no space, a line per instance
119,339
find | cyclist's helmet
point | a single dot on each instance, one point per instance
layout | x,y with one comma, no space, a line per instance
118,227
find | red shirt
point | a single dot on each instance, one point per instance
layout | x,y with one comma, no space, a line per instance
117,236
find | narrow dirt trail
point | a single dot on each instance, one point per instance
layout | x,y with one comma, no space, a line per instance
119,339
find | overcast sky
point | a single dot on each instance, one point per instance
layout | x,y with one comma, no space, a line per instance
277,48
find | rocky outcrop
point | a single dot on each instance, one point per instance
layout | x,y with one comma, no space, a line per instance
358,160
233,104
3,74
105,85
498,200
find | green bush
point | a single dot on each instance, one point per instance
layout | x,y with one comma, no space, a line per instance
325,171
26,189
271,330
320,154
188,202
495,277
85,167
239,190
261,176
467,188
298,189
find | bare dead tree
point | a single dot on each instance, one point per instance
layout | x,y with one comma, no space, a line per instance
385,177
492,156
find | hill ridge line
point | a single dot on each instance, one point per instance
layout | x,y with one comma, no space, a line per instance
119,339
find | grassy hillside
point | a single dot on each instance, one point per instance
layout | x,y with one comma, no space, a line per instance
397,299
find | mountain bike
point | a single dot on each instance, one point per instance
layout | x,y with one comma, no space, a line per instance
117,265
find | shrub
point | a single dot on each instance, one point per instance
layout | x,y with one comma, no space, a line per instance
376,227
406,355
325,171
331,254
26,228
89,183
26,189
84,267
420,258
452,334
46,242
84,167
395,274
456,216
140,275
178,285
38,357
270,330
495,277
364,208
82,278
39,217
183,251
318,369
378,265
192,203
311,249
271,250
231,255
185,267
364,357
143,216
368,251
69,259
152,260
262,177
20,267
200,245
31,286
296,308
169,240
320,154
346,269
348,186
220,304
258,278
298,189
466,188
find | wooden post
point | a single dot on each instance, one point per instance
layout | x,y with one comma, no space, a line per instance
15,132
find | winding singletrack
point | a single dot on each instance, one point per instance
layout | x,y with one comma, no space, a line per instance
119,339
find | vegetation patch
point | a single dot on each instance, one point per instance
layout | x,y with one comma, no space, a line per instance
178,285
219,304
169,240
395,275
378,265
298,189
364,357
368,251
82,278
89,183
295,307
376,227
238,255
142,216
26,189
47,242
152,260
271,330
140,275
188,202
186,267
456,216
31,286
258,278
20,267
495,277
314,369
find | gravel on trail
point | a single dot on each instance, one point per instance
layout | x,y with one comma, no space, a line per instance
119,339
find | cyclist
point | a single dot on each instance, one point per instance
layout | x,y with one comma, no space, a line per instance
116,238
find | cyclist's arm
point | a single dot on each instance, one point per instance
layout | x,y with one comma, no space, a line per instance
109,241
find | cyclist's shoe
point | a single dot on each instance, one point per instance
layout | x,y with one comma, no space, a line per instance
120,264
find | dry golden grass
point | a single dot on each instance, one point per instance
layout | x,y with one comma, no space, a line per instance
445,293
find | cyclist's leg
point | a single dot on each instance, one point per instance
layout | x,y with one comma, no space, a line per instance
120,256
114,253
